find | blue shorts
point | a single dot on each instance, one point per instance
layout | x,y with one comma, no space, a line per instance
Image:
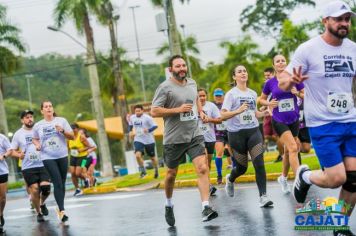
148,148
334,141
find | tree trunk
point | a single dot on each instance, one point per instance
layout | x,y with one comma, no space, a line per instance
173,33
98,107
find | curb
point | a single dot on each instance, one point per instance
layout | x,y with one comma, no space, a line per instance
111,188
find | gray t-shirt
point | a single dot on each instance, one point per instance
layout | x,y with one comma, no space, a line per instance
183,127
23,140
4,147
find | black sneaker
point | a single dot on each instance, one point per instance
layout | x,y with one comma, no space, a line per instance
170,216
279,159
343,233
209,214
2,229
40,218
219,180
94,182
143,174
156,175
2,220
44,210
212,190
300,187
65,218
86,183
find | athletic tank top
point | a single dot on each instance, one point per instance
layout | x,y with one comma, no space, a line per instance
76,145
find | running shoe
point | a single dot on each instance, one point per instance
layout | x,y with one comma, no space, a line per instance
229,187
2,220
212,190
209,214
300,187
94,182
284,184
279,159
86,183
343,233
264,201
78,192
2,229
62,216
156,175
44,210
143,174
219,180
170,216
40,218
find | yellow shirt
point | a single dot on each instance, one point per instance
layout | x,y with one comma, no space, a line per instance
76,145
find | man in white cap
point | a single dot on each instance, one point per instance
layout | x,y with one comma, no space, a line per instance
327,66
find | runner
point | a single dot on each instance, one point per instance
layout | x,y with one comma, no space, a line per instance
176,100
91,159
240,111
35,175
141,128
285,119
5,150
78,149
326,64
207,128
303,136
49,137
222,145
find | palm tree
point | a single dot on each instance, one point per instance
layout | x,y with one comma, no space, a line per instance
78,11
9,42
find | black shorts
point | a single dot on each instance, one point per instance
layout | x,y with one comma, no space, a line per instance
304,136
210,147
4,178
78,161
149,149
222,139
35,175
174,153
245,140
280,128
88,162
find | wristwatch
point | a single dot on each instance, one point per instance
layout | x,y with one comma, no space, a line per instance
62,131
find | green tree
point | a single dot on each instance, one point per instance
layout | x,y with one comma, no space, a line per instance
267,16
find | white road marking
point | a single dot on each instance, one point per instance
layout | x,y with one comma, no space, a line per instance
102,198
50,207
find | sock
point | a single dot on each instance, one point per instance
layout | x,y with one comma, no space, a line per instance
284,177
204,203
218,164
169,202
306,177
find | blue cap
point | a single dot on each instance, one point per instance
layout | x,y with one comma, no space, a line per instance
218,92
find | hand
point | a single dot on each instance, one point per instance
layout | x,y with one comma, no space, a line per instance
185,108
59,129
297,76
2,157
273,103
204,117
145,130
22,155
242,108
131,135
294,91
38,147
262,108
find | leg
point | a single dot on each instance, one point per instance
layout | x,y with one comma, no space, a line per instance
169,181
292,147
45,188
53,170
35,196
348,190
74,177
219,147
3,190
202,170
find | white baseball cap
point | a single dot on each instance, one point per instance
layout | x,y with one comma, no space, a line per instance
336,9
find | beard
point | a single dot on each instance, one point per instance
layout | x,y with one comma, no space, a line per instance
29,126
337,34
177,76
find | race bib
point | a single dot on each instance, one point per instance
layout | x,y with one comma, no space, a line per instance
187,116
34,156
221,127
285,105
204,128
301,115
246,117
139,131
339,103
74,152
53,143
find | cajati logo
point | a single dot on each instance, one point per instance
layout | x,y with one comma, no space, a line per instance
327,214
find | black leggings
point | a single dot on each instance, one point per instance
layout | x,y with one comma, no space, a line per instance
244,142
57,169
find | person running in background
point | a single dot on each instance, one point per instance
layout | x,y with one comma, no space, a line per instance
91,159
176,100
78,149
5,150
222,144
35,175
326,64
285,119
141,128
49,137
207,128
240,111
303,136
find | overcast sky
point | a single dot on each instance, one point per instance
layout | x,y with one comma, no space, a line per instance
211,21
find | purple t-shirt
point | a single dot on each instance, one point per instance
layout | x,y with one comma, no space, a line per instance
287,111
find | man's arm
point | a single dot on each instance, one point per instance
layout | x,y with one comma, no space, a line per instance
164,112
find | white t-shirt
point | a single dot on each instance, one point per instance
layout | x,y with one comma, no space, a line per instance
212,111
139,124
23,140
234,98
53,143
4,147
328,90
92,144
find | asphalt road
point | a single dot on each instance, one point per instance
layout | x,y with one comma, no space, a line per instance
142,213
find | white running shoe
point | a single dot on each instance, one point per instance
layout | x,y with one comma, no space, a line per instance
284,184
264,201
229,187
